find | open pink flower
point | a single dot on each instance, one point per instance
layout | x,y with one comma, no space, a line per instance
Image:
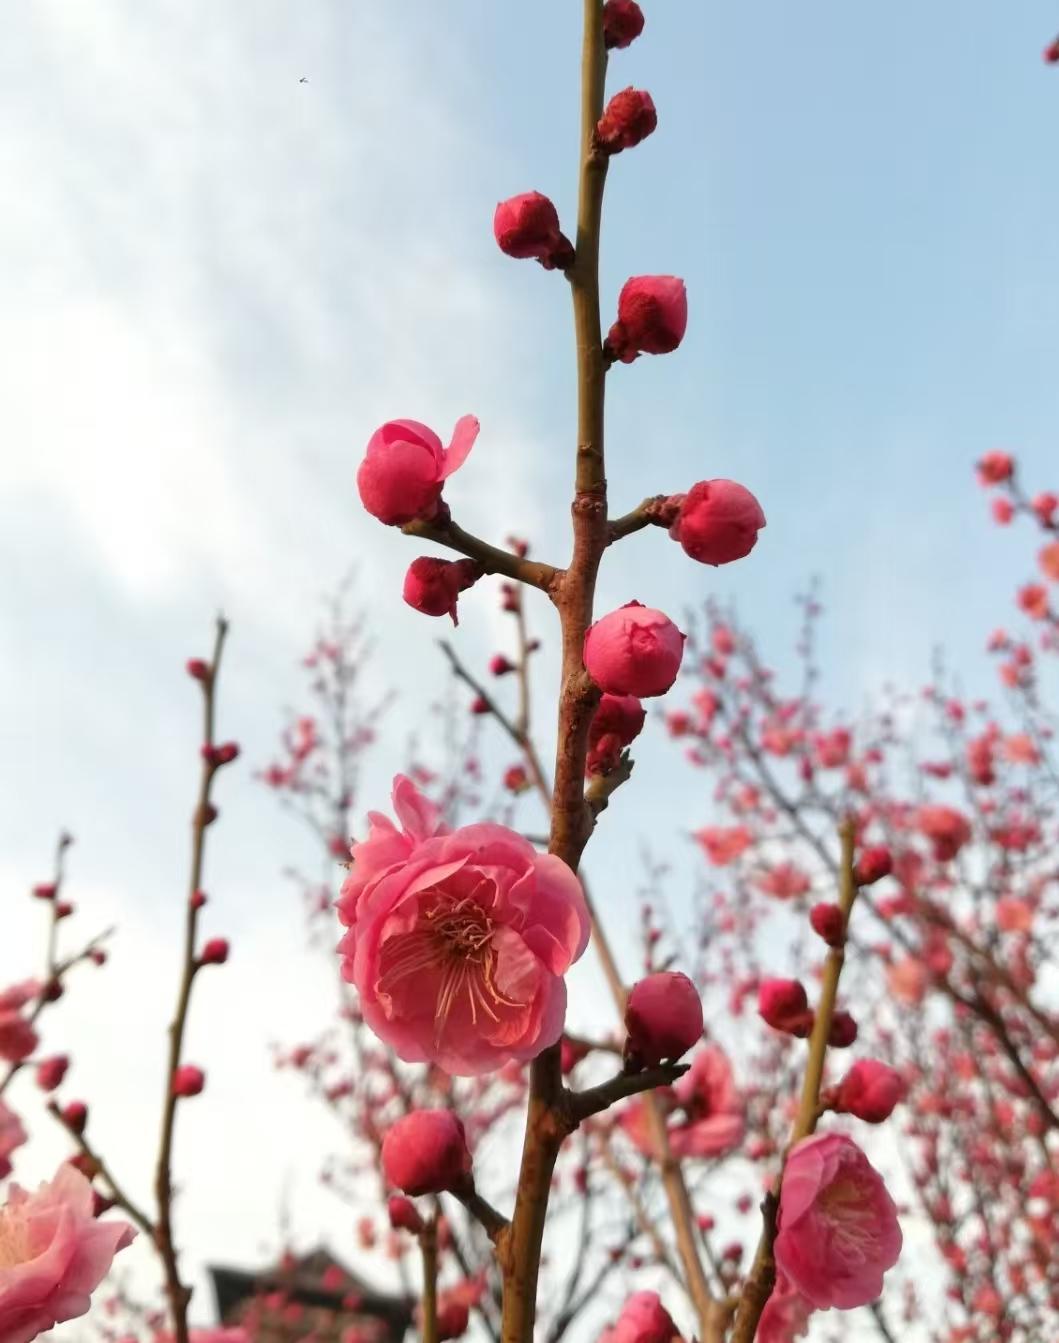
705,1111
786,1315
405,467
947,829
458,942
12,1135
838,1230
53,1254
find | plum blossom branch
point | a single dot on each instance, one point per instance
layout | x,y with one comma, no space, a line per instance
594,1100
445,532
98,1167
656,511
494,1223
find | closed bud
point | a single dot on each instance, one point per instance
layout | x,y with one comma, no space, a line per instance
198,669
188,1080
783,1004
425,1152
617,722
50,1072
873,864
634,651
215,951
652,317
869,1091
63,909
843,1031
663,1018
627,119
526,227
227,752
718,522
499,665
828,923
75,1116
404,1215
1051,53
622,23
995,467
198,899
45,890
432,586
479,705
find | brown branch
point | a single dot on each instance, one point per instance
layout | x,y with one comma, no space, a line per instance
100,1169
494,1223
762,1276
177,1292
491,558
428,1248
594,1100
655,511
604,786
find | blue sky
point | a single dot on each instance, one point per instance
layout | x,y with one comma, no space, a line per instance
219,280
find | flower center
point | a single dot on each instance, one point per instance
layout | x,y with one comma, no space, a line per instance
13,1241
454,937
851,1218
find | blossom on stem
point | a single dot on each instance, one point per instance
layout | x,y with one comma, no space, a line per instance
828,923
947,829
12,1135
627,119
526,227
837,1224
643,1319
425,1152
53,1254
872,865
652,317
995,467
622,23
786,1315
718,521
617,722
869,1091
784,1005
188,1080
18,1039
634,650
663,1018
458,942
405,468
432,586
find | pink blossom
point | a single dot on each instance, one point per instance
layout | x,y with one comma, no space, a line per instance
723,844
784,1005
663,1018
786,1315
19,995
718,522
652,317
872,865
947,829
1014,915
405,467
12,1135
643,1319
784,881
53,1254
838,1230
714,1121
458,942
995,467
188,1080
634,650
425,1152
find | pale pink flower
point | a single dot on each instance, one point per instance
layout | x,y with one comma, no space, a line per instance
786,1315
53,1254
838,1230
712,1120
12,1135
458,942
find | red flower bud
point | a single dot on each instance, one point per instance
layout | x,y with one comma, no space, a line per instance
45,890
1051,53
873,864
718,522
198,669
63,909
527,227
783,1004
227,752
828,923
198,899
617,722
995,467
652,317
98,956
634,651
75,1116
188,1080
843,1031
404,1215
53,990
479,704
499,665
432,586
425,1152
627,119
663,1018
50,1072
215,952
516,780
870,1091
622,23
